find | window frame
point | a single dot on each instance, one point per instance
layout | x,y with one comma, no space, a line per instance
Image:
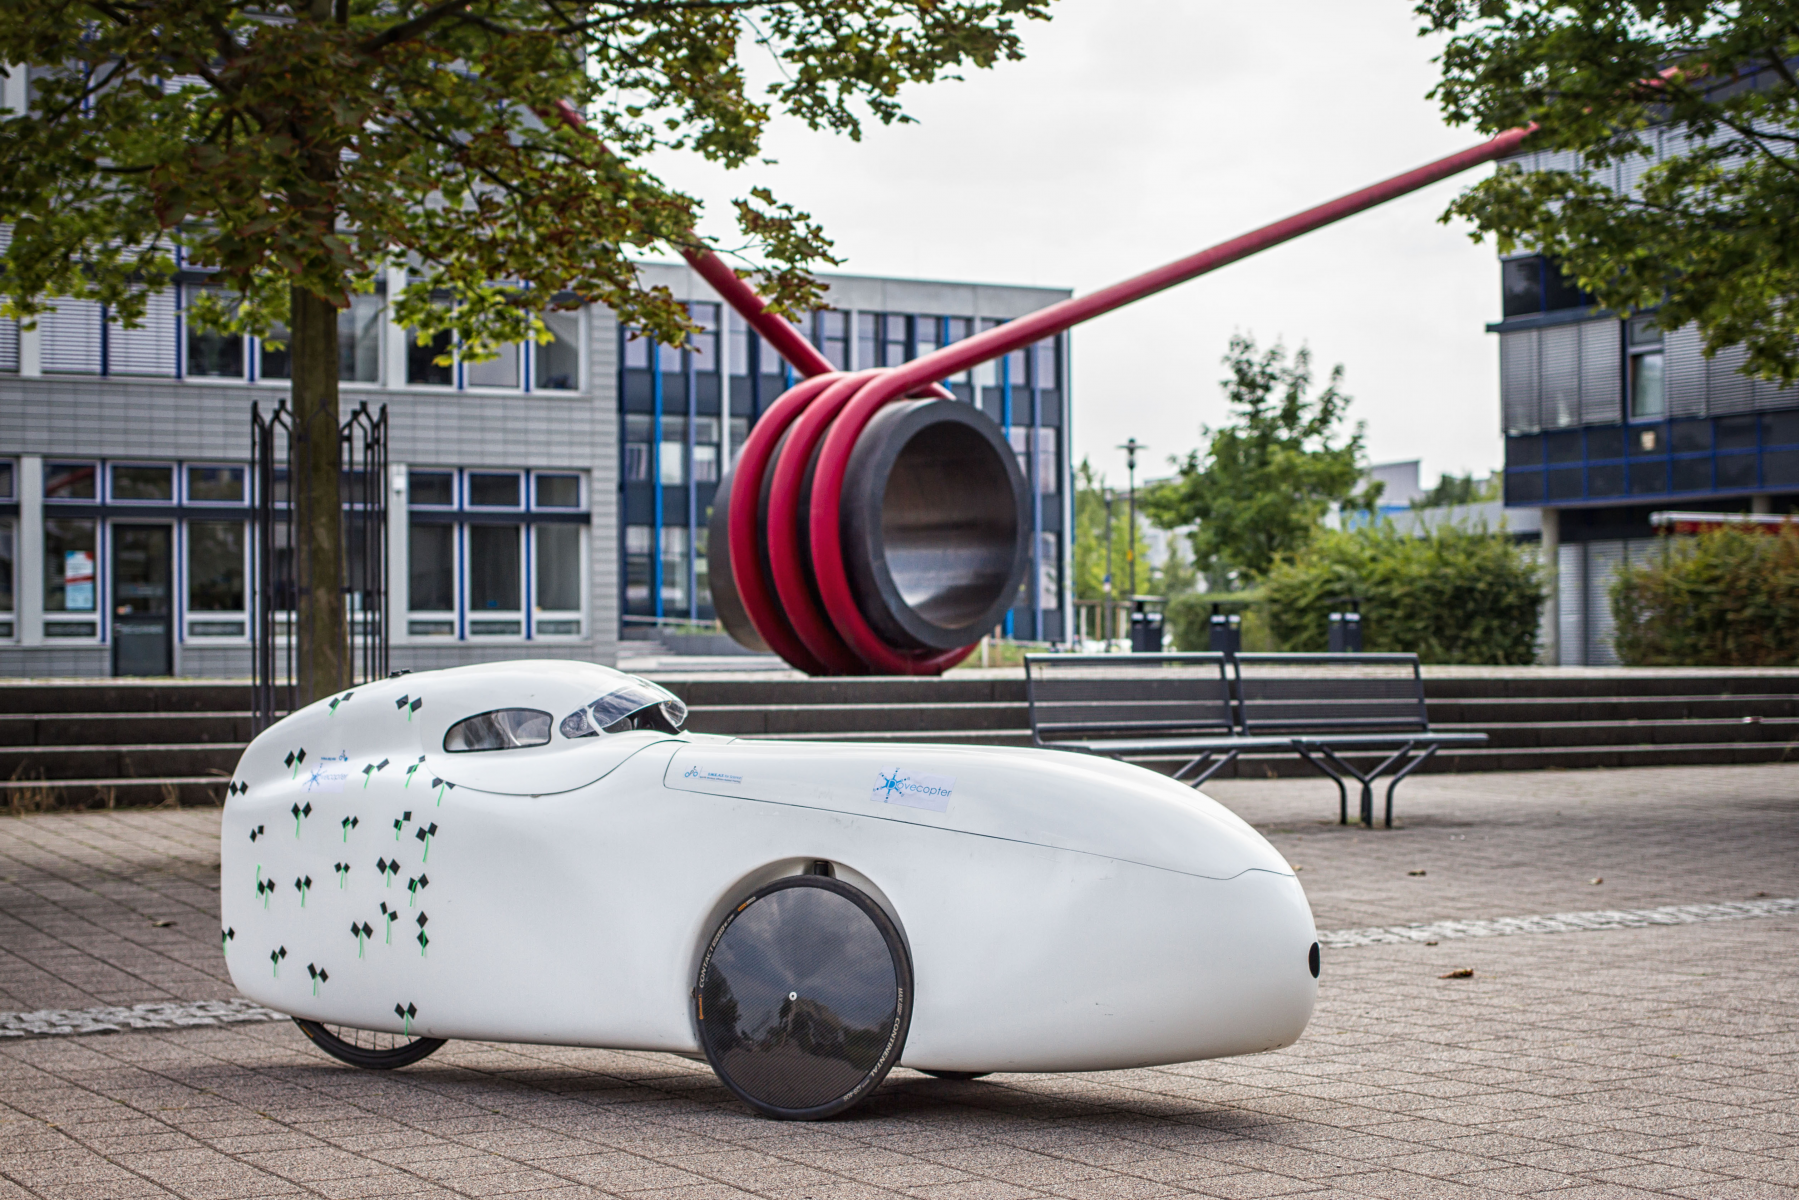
73,462
465,596
580,504
468,485
184,582
112,467
535,613
185,484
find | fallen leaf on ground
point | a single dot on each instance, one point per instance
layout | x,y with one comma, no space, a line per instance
1459,973
1414,872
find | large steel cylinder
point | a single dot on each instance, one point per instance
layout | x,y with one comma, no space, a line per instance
934,527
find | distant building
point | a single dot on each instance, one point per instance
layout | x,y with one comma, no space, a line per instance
1607,420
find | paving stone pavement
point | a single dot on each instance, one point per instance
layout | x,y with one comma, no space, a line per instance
1647,1061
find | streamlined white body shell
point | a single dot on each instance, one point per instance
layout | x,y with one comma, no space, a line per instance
1062,912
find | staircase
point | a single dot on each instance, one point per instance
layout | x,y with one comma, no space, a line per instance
147,742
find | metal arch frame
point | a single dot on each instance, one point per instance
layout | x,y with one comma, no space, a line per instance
830,409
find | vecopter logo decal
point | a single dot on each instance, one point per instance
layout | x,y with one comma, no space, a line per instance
914,790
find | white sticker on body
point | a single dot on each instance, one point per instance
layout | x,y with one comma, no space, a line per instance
914,790
328,774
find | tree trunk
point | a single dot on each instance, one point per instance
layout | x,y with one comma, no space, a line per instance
323,653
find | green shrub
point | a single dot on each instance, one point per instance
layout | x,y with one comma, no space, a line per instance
1189,619
1453,596
1726,598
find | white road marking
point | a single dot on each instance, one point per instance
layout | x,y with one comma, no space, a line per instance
1570,922
51,1022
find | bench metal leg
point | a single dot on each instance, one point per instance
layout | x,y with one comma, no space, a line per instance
1230,757
1401,774
1342,792
1367,779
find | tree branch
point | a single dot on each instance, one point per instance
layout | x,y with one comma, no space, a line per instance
407,30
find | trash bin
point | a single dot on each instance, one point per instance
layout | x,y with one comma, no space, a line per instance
1146,629
1226,633
1346,633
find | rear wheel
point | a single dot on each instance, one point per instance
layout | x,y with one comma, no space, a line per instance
804,998
366,1047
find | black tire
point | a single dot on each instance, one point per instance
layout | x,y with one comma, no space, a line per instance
956,1075
365,1047
804,998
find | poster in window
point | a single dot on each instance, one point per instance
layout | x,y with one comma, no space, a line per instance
78,581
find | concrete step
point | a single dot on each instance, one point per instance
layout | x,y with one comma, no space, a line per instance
28,764
113,728
21,797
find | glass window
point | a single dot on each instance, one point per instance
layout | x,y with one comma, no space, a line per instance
213,355
668,359
834,338
1049,576
674,566
492,489
558,569
638,540
1043,363
637,349
502,729
925,334
432,487
215,566
705,464
277,364
501,372
1561,291
895,334
1048,477
987,374
559,362
215,485
6,569
740,348
421,361
431,568
558,491
69,556
704,343
672,458
143,483
493,569
1648,395
359,339
868,341
1645,332
6,481
1521,283
69,481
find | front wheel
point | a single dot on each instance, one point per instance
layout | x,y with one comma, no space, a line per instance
804,997
365,1047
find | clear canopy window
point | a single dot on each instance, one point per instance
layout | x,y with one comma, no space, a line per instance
501,729
639,702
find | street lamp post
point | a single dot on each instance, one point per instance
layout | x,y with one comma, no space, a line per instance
1130,448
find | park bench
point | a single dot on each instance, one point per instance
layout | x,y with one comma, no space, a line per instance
1214,707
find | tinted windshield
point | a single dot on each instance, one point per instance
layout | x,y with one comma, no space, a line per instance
636,698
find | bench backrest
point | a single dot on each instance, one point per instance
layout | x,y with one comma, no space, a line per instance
1329,693
1127,695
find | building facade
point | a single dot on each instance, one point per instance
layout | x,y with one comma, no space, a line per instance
1607,420
522,516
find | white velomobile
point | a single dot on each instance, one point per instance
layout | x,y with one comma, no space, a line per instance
534,852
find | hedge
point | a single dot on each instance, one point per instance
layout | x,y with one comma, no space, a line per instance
1451,596
1726,598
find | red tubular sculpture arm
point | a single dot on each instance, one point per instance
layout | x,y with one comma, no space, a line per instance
827,484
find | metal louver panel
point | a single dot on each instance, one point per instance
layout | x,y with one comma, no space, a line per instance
148,349
1570,594
9,345
1601,381
1771,395
1561,376
1728,390
71,337
1518,381
1684,366
1603,561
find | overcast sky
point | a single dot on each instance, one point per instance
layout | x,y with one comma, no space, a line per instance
1137,131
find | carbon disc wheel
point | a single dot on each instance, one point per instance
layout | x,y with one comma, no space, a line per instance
368,1048
804,997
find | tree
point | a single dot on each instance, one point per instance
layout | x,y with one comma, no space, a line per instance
1727,598
1265,482
1706,234
296,150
